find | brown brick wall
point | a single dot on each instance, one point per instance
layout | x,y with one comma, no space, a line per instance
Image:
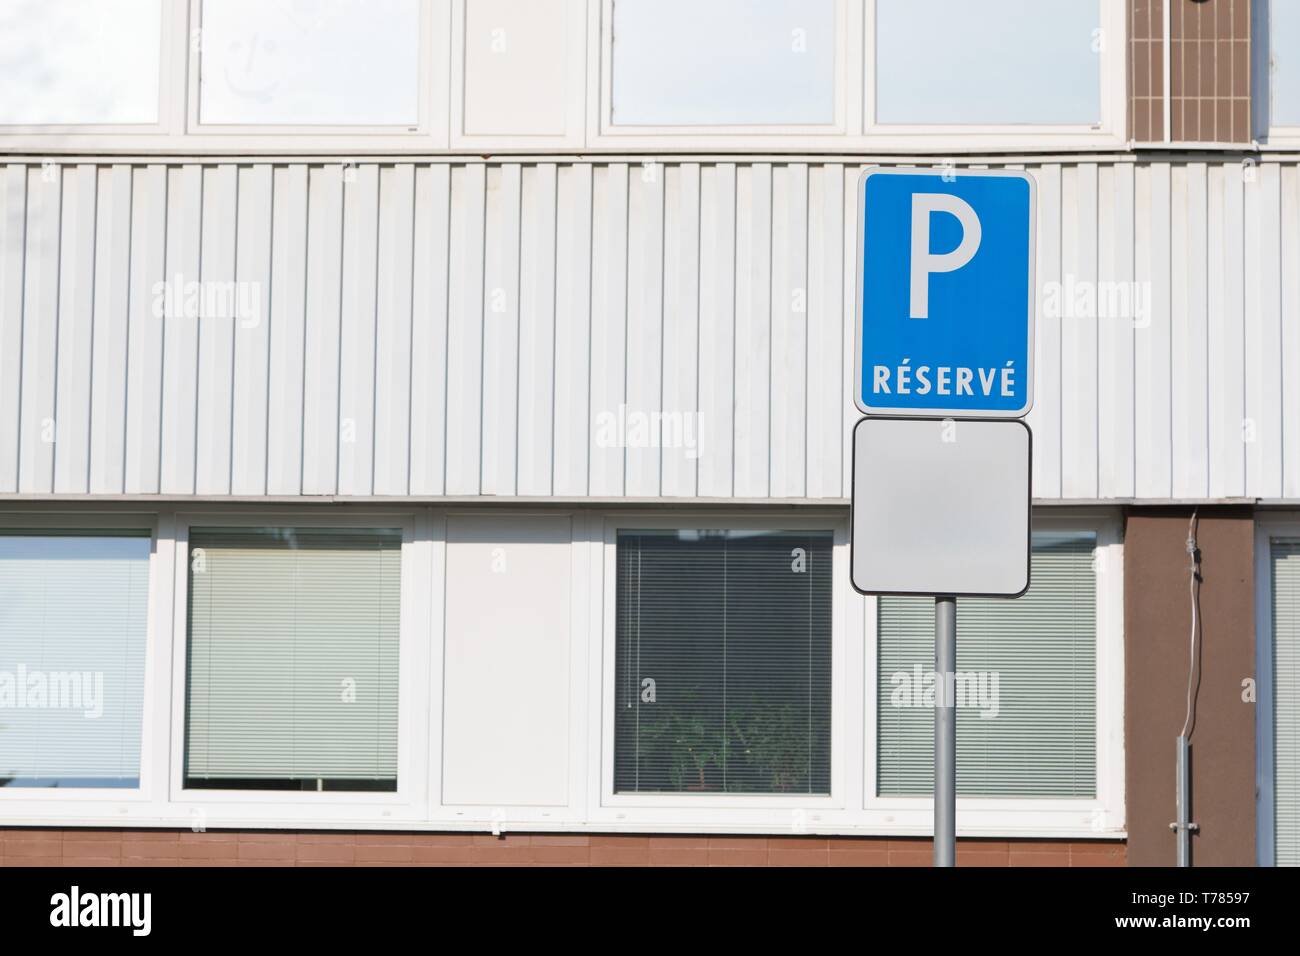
44,847
1146,75
1209,70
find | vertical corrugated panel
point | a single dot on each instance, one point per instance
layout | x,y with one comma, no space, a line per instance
429,330
645,328
573,332
75,331
500,395
287,332
40,306
217,328
465,330
180,364
394,363
717,329
487,328
109,363
1152,243
1225,330
753,370
145,332
1116,332
357,330
13,243
826,408
1264,346
609,269
1079,335
1290,353
1045,417
536,403
681,358
1189,374
252,332
320,408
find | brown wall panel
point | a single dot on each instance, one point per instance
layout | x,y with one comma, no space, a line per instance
1157,627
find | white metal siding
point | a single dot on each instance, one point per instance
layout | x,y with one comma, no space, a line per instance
456,328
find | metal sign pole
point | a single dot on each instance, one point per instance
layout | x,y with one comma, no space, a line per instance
945,732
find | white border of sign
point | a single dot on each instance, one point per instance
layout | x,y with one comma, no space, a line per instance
1028,177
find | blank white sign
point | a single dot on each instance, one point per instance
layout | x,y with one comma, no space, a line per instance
941,507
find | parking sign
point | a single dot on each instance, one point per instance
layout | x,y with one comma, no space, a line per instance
945,293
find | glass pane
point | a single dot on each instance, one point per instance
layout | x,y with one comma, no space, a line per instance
992,62
1286,701
723,662
293,659
1284,74
80,61
723,62
73,624
1026,693
310,62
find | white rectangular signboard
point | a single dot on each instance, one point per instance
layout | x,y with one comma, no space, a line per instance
941,507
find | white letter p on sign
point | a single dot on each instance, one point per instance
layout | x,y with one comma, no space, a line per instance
923,261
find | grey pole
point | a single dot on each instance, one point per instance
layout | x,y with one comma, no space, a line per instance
1184,827
945,732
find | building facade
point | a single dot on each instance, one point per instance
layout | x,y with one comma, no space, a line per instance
425,432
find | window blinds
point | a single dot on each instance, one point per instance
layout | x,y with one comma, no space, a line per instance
293,658
1286,701
73,628
723,662
1042,647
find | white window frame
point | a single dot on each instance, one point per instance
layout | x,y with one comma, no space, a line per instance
18,802
1101,816
1274,137
575,90
853,806
850,809
170,59
179,132
1110,131
244,807
602,133
771,813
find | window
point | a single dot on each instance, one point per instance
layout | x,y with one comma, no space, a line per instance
723,662
1283,80
293,659
997,62
310,62
1027,692
1285,560
73,630
80,62
723,63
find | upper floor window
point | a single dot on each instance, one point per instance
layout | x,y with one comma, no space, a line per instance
992,63
723,63
80,62
310,62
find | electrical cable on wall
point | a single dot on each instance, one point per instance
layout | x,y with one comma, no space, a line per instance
1183,826
1194,552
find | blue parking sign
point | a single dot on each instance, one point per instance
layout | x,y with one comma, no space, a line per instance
945,293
